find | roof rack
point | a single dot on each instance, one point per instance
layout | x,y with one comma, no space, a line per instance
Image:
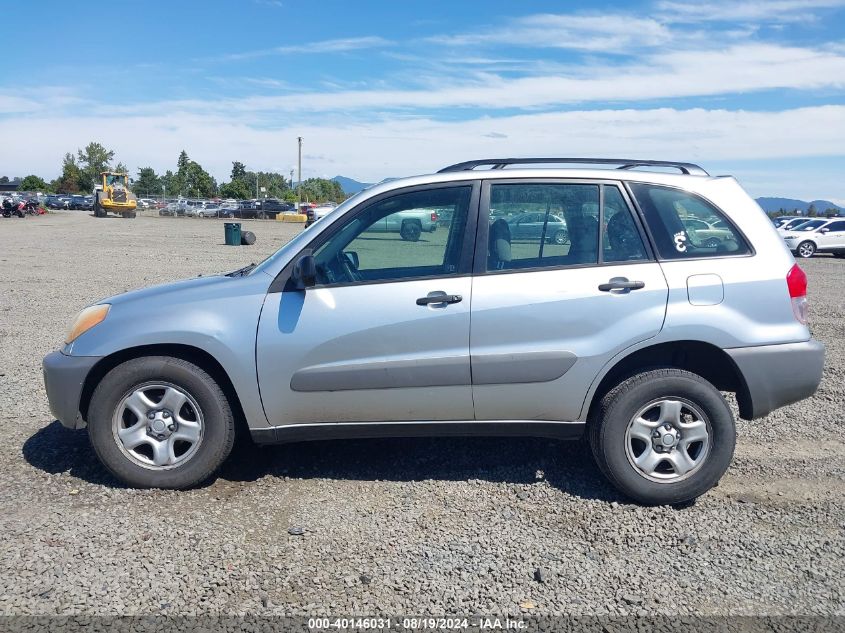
688,169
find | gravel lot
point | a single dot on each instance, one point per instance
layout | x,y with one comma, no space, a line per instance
429,526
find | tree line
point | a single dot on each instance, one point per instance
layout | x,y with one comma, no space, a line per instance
81,171
812,212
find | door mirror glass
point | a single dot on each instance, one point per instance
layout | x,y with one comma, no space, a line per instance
352,258
824,230
305,272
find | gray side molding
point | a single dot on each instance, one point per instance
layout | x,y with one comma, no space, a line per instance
518,367
445,371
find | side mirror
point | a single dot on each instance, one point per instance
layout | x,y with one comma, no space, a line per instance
824,230
305,272
352,258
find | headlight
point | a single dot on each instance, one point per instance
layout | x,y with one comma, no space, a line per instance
87,319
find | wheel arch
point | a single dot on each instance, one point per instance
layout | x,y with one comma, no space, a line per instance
200,357
704,359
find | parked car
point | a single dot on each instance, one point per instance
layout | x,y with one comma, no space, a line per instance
56,202
783,219
77,202
210,211
793,224
270,207
627,334
817,236
532,225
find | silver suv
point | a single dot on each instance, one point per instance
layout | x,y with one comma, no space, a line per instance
627,331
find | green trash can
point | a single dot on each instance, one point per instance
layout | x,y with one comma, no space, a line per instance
233,233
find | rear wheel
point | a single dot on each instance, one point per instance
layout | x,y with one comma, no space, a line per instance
560,237
806,249
160,422
410,231
663,437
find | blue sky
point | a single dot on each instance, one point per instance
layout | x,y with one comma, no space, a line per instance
382,89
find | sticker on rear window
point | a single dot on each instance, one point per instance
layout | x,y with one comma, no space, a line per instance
680,241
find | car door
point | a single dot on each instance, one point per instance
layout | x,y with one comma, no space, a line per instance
546,317
384,333
833,238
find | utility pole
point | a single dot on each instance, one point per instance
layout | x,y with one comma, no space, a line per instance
291,179
299,138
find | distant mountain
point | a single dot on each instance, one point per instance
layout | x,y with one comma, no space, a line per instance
791,204
349,185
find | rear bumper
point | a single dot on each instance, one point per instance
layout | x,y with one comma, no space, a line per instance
777,375
64,378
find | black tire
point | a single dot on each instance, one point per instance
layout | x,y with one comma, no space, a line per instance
560,237
410,230
247,238
609,422
806,249
218,430
262,216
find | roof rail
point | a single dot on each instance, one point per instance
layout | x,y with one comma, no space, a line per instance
688,169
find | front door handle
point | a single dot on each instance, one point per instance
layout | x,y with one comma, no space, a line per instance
621,283
439,297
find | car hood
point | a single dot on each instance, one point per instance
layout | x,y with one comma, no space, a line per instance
184,290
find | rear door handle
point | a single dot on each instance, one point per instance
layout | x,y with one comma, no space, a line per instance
621,283
439,297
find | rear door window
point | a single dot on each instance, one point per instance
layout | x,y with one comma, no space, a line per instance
685,225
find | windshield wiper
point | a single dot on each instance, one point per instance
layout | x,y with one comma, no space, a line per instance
240,272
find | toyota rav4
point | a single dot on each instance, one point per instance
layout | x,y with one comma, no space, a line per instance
628,330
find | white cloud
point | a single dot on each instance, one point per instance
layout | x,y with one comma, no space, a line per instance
373,150
761,11
324,46
736,69
602,33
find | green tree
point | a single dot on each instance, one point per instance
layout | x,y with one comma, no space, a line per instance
168,181
238,171
4,179
93,160
147,182
237,189
830,212
71,178
34,183
195,181
811,211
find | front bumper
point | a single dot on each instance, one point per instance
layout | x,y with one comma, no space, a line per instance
64,378
777,375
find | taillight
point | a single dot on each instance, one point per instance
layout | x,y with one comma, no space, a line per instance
796,282
433,216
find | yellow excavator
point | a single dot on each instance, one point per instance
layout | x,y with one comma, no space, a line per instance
112,194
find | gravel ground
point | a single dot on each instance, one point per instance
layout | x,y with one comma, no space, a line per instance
422,526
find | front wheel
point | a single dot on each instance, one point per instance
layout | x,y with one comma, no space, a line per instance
806,249
160,422
663,437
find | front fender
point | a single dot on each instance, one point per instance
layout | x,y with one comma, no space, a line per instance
218,315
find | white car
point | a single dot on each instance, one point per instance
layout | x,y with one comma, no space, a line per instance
817,236
791,225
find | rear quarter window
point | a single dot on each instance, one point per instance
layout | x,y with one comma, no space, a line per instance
684,225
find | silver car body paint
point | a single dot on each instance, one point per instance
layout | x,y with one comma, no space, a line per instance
541,340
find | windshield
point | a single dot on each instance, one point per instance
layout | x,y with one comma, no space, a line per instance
341,208
810,225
